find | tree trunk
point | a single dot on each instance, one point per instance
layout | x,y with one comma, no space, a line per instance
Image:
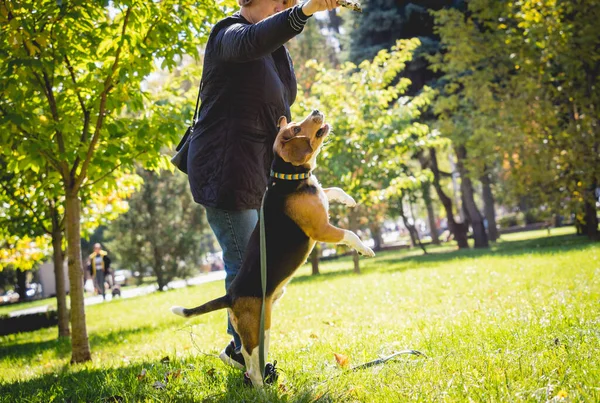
591,218
80,345
459,230
21,284
158,267
411,233
353,224
355,261
488,207
414,234
314,259
59,277
426,189
376,234
466,188
160,279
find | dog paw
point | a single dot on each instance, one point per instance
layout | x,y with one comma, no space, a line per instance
349,201
366,251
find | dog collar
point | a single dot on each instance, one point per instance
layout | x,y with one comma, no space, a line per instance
291,177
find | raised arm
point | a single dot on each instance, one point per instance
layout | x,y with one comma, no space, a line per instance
245,42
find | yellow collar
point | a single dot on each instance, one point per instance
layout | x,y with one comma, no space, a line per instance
291,177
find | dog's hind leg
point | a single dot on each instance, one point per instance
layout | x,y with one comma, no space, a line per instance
252,366
247,323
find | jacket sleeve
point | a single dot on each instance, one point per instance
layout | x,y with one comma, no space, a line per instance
106,263
244,42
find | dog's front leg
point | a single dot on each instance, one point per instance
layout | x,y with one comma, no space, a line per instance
338,194
311,216
353,241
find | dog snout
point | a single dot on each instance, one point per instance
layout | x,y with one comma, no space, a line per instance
317,117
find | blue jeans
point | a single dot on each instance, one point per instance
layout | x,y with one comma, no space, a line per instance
233,230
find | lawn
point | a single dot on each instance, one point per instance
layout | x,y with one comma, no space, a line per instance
51,302
518,322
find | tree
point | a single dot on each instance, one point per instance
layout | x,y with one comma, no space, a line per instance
523,74
71,97
488,205
311,45
402,192
457,228
374,127
377,27
426,191
468,199
163,229
382,23
31,208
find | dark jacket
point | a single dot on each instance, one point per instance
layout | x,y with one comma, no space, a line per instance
248,82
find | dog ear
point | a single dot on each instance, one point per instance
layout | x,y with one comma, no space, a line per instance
296,150
282,122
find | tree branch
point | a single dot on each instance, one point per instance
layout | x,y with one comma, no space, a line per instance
54,110
113,169
72,73
101,110
86,116
61,168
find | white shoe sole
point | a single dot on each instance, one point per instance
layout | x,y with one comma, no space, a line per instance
229,361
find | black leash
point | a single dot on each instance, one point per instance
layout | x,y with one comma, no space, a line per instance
263,281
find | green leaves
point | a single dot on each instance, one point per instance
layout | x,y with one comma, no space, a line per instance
374,127
75,114
518,81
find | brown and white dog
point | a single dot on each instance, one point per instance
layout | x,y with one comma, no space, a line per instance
296,216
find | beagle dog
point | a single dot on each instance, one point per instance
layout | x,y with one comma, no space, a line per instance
296,216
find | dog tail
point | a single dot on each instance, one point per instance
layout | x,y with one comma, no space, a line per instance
215,304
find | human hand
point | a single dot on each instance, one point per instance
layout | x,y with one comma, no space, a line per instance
313,6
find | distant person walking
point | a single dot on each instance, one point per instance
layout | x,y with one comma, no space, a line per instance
100,269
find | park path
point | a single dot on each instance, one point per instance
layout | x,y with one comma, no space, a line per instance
135,292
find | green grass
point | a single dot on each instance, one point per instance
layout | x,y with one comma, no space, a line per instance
518,322
51,302
7,309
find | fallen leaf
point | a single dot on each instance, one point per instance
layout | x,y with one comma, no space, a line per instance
172,375
313,336
211,372
328,322
141,375
165,360
158,385
341,359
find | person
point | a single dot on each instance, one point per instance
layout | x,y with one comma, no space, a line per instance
100,269
248,83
